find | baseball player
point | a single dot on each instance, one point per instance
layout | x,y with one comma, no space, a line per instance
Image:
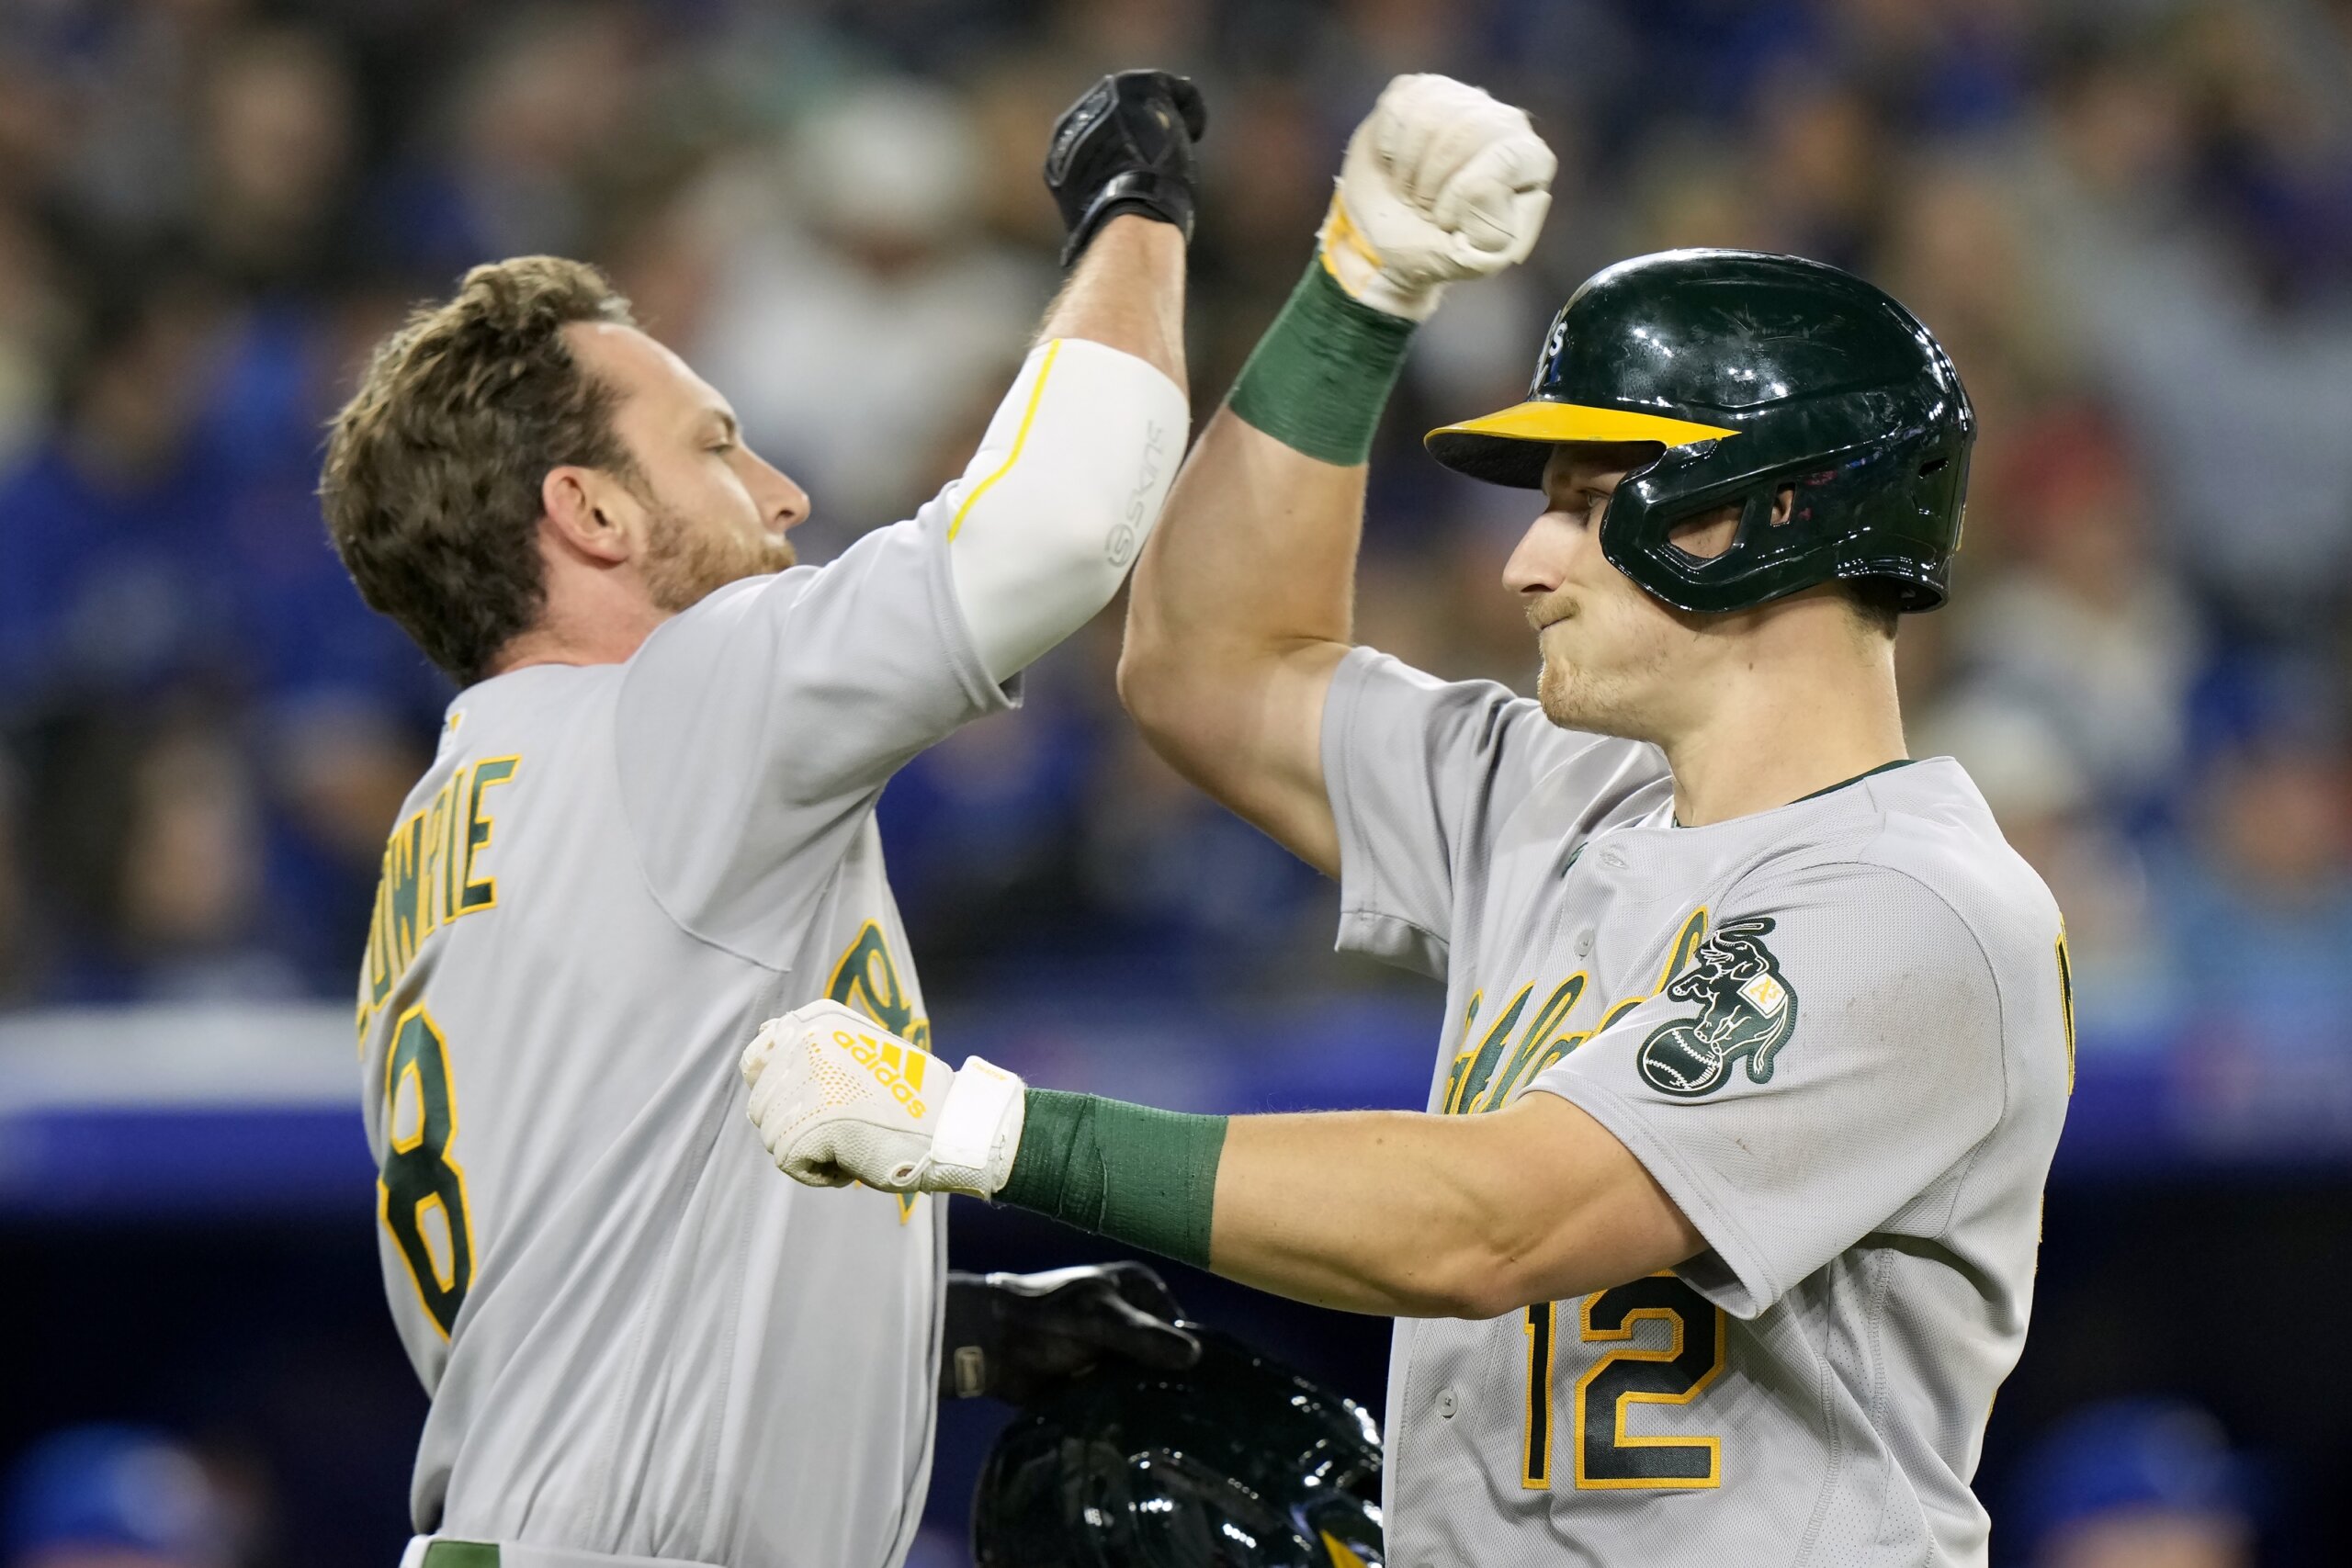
1717,1234
649,826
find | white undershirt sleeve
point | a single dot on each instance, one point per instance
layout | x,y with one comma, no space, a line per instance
1055,505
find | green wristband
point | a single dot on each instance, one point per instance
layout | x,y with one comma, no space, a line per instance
1146,1177
1318,379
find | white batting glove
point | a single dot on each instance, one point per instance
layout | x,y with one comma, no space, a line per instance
1441,183
838,1098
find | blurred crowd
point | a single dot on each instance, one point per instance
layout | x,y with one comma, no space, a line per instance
2130,220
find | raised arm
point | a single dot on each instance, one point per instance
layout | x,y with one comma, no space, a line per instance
1071,477
1240,610
1242,603
794,698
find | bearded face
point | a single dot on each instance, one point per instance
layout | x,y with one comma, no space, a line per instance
687,559
707,510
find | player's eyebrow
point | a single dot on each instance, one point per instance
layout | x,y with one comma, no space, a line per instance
727,425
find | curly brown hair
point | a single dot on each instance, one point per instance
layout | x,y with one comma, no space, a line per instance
431,487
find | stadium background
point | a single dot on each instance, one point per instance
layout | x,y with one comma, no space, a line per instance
2129,219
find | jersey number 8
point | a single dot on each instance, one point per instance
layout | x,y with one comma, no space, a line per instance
421,1191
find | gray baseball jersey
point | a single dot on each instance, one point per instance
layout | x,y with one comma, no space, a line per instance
639,1339
1838,1033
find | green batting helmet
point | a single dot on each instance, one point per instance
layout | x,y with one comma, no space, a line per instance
1238,1462
1757,373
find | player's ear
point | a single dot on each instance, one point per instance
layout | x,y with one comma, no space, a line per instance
587,511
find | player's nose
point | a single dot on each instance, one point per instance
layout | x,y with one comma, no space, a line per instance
1538,564
784,505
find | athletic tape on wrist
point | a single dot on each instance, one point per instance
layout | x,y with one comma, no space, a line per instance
983,1110
1318,379
1146,1177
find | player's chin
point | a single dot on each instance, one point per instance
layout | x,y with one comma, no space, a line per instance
1572,699
757,555
1555,693
764,558
687,566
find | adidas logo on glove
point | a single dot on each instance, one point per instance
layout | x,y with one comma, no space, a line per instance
896,1068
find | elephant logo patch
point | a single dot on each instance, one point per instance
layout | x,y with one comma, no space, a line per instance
1747,1012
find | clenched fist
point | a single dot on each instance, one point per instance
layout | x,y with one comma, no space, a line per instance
838,1098
1126,146
1441,183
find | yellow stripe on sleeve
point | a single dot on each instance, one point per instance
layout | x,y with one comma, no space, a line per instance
1020,440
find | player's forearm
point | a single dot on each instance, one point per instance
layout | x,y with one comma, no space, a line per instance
1256,555
1239,611
1259,552
1387,1212
1074,466
1418,1215
1065,486
1394,1212
1256,560
1127,292
1242,606
1047,519
1380,1212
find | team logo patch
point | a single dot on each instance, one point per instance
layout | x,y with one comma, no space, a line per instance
1747,1013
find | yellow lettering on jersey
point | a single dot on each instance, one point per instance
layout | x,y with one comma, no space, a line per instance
421,1190
481,893
866,977
1485,1075
428,868
1535,1438
428,877
1464,1056
452,824
1464,1073
399,874
1554,1013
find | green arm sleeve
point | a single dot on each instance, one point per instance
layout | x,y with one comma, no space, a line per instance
1318,379
1146,1177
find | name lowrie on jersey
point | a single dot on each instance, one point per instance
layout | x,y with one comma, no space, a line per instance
428,876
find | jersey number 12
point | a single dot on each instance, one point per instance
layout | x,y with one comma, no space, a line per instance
1608,1458
420,1193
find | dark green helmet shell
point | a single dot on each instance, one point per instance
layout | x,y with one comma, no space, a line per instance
1757,373
1240,1462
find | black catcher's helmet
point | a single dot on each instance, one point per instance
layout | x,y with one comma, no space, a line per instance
1240,1462
1759,373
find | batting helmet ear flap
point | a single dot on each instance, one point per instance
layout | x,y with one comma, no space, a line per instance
1844,508
1756,512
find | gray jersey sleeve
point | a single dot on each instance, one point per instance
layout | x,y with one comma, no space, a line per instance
1421,772
1824,1067
754,729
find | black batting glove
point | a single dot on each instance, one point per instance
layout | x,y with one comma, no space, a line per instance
1019,1337
1126,146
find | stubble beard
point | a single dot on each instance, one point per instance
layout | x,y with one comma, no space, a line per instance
1577,698
1573,699
684,564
